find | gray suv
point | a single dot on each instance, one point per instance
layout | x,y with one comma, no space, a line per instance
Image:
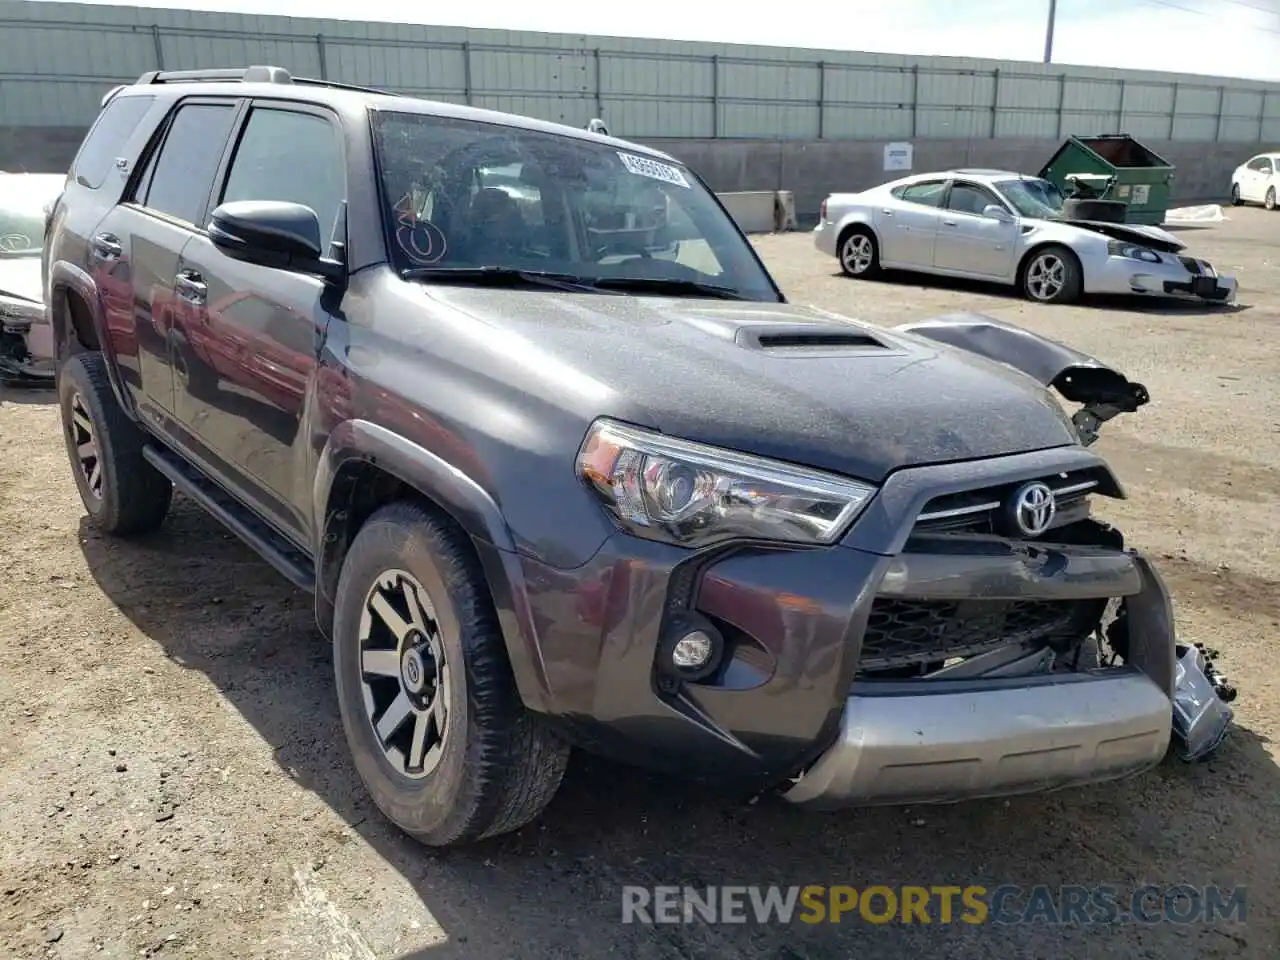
522,408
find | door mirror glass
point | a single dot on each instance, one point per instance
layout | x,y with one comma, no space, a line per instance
272,233
994,211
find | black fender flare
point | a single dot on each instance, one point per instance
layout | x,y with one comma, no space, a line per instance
1102,390
67,278
467,503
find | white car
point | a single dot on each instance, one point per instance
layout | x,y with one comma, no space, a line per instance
26,339
1257,181
1008,228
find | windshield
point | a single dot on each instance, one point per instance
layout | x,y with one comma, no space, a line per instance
1033,198
462,194
23,198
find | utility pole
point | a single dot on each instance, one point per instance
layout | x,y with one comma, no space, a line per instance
1048,33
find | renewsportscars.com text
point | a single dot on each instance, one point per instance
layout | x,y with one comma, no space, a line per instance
941,904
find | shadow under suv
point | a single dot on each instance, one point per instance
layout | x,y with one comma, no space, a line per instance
522,407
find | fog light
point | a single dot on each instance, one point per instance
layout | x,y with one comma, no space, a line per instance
693,651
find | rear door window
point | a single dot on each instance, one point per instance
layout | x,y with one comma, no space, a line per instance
928,194
181,174
107,139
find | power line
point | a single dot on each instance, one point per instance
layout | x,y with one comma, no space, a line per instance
1250,6
1204,13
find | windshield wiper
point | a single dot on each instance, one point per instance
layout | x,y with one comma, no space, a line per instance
667,285
499,275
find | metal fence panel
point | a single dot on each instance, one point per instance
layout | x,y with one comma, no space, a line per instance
56,60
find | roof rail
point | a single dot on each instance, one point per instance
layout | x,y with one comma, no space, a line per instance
308,81
250,75
241,74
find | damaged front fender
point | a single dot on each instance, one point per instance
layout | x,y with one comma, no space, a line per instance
1102,391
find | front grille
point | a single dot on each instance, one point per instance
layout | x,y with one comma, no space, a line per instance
903,633
974,511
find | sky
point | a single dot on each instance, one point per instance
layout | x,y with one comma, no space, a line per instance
1233,38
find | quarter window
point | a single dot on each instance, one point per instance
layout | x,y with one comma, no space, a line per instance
107,139
292,157
182,174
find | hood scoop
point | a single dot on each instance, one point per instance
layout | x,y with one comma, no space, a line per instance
808,338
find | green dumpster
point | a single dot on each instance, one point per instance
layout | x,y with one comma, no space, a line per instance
1139,177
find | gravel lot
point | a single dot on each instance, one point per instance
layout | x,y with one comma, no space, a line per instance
173,778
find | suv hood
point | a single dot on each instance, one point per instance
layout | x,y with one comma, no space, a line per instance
794,383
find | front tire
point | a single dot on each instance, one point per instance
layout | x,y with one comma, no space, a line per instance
435,725
123,494
859,253
1235,195
1052,275
1270,201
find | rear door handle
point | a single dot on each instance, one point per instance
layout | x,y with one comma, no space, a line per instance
190,286
107,246
948,223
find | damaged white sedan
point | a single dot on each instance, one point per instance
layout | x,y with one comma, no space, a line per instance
1008,228
26,339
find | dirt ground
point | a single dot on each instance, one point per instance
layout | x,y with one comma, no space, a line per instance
173,778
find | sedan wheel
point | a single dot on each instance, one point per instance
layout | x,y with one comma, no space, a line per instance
858,254
1270,202
1052,275
1235,195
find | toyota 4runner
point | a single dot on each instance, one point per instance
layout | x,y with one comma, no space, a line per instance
522,408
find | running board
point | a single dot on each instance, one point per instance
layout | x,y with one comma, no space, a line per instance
286,558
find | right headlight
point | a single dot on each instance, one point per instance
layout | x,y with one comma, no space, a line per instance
1132,251
692,495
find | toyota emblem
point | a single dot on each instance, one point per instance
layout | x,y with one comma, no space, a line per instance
1033,508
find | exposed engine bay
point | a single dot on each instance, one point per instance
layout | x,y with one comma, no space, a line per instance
1001,636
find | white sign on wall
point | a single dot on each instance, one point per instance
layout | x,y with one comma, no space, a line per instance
897,156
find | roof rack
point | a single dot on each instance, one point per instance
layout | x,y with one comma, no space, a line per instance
256,74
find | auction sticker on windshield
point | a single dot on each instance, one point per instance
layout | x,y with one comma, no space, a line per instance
644,167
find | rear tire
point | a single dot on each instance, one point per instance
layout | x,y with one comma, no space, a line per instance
1270,201
436,727
1235,195
123,494
859,253
1051,275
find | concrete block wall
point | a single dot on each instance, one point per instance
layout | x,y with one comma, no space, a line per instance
811,168
815,168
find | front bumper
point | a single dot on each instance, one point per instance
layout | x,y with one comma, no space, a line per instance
26,341
799,703
1000,737
1180,277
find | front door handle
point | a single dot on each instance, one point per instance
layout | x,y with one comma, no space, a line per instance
887,212
948,223
190,286
107,246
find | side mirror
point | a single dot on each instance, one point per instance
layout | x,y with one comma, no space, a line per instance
994,211
271,233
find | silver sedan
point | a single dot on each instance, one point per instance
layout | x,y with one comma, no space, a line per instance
1007,228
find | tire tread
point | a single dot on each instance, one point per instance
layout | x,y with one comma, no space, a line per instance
139,498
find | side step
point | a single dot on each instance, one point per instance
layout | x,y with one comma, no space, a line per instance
286,558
